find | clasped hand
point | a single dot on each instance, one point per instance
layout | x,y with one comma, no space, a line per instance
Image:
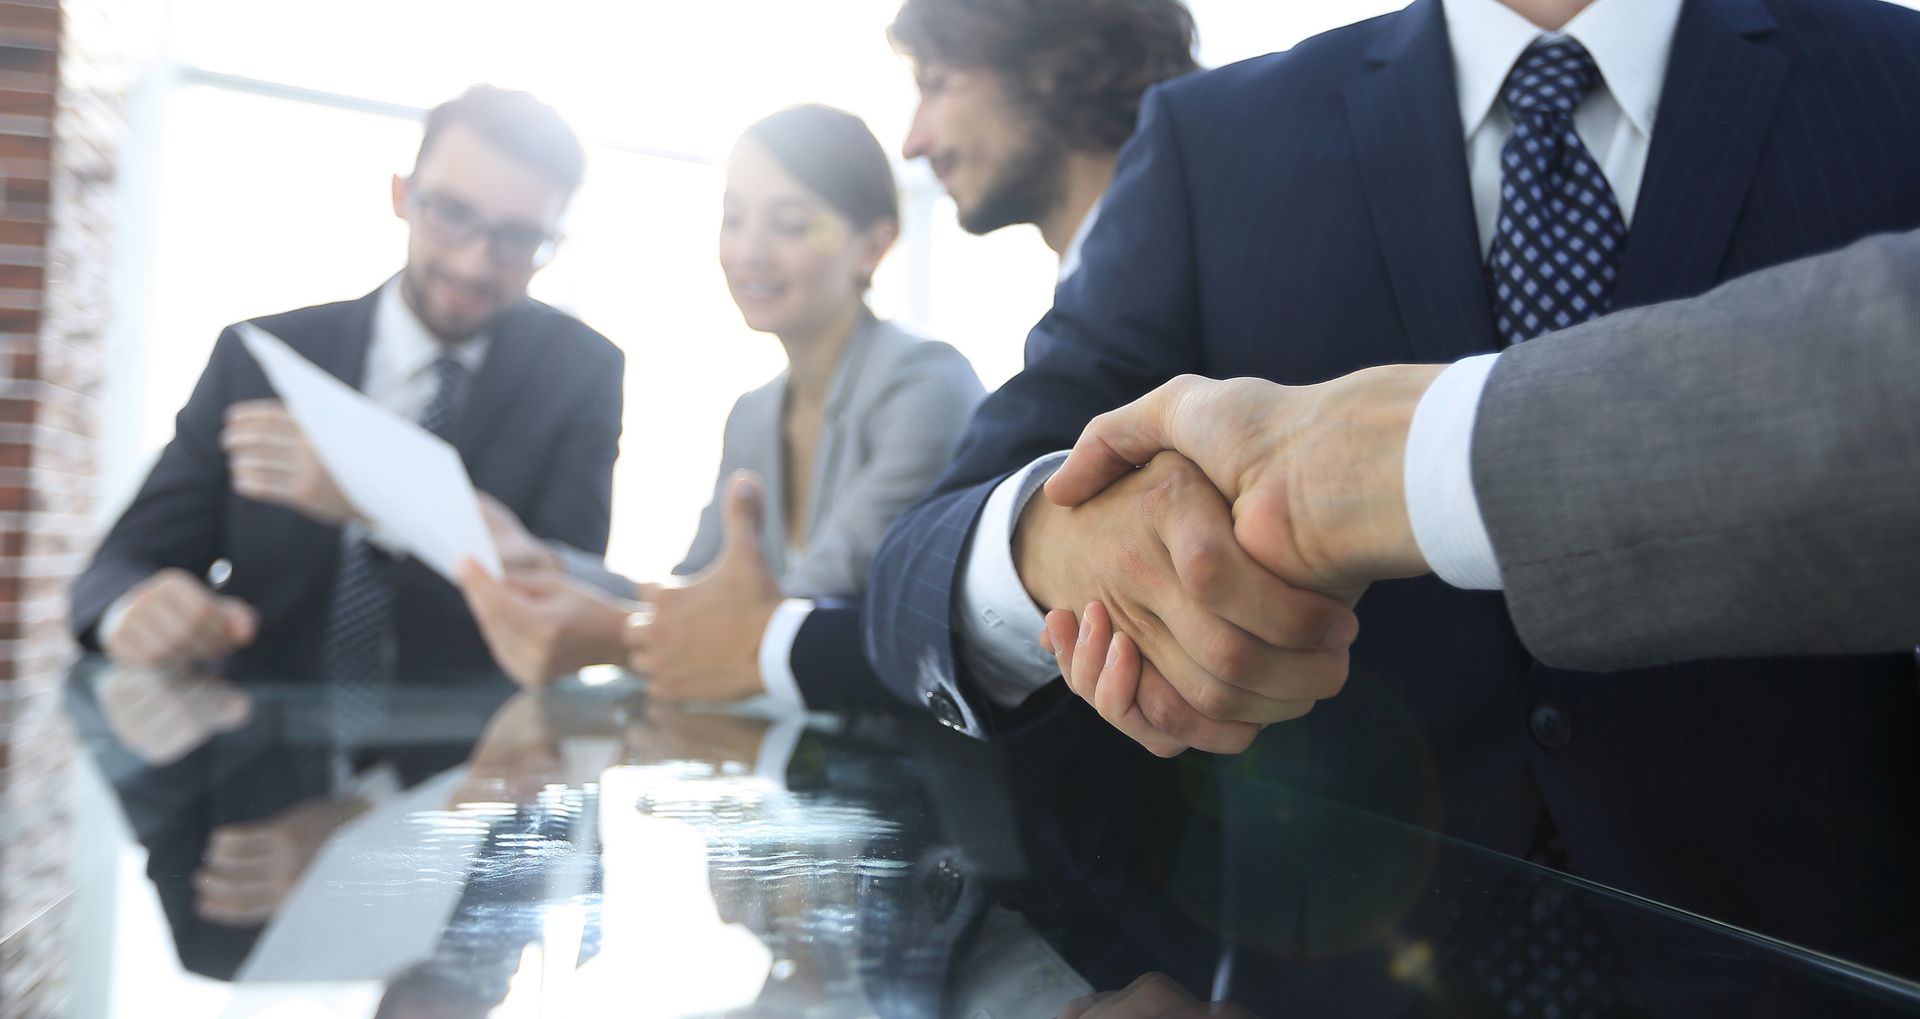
1209,592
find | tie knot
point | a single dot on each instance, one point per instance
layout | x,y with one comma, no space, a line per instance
448,371
1550,79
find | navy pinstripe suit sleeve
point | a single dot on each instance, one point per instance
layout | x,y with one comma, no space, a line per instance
1120,326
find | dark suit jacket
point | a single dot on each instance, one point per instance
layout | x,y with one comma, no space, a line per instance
539,431
1306,214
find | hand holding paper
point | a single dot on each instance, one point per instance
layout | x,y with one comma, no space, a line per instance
403,480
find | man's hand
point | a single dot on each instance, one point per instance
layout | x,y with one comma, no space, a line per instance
1154,996
250,868
543,625
1231,646
270,461
173,618
520,551
162,715
1316,474
701,641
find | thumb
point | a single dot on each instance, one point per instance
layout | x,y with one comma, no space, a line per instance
740,516
1115,443
242,622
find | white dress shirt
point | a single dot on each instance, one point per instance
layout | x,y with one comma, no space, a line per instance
399,376
1630,41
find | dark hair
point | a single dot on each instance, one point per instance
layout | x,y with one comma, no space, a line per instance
836,157
515,123
1081,66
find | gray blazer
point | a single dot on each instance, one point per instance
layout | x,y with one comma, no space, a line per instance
895,409
1733,475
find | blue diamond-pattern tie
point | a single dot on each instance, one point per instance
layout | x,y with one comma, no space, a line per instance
1556,246
358,648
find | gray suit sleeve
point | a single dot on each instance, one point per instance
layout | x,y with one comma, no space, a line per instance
1734,475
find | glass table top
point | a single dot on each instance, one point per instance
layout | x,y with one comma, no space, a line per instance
584,851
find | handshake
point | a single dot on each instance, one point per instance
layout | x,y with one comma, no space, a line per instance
1201,550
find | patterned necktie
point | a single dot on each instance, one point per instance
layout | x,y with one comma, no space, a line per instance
1556,246
359,648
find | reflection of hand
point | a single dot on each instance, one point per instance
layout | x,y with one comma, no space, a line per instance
701,641
1315,474
520,551
541,626
667,733
517,756
250,868
271,461
1154,996
1228,646
162,715
173,618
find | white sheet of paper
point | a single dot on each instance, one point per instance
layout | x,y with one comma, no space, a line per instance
408,482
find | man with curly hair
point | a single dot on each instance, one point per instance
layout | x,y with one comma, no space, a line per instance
1024,104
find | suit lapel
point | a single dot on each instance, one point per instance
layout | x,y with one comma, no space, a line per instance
512,357
1405,123
345,358
1723,84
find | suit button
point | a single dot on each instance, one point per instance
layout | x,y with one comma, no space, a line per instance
945,710
942,887
1550,726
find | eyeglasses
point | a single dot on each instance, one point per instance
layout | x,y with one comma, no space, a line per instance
509,245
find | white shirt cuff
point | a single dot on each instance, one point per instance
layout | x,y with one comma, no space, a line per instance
777,745
1441,503
998,621
776,653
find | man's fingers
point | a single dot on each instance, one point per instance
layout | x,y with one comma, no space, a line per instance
1119,683
1218,575
638,637
242,623
1167,712
238,843
257,413
1090,650
1227,673
1060,629
1113,444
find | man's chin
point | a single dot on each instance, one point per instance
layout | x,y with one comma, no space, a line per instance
454,328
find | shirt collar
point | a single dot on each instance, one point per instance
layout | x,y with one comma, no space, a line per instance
402,345
1630,41
1070,258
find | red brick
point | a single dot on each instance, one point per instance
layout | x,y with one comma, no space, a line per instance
23,234
13,146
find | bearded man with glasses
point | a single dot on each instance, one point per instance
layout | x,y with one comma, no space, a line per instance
530,397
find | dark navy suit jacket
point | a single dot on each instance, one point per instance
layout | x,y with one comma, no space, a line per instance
1306,214
539,431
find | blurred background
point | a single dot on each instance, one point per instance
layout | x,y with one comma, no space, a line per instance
263,135
172,166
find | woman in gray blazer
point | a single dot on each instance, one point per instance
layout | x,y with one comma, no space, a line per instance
855,429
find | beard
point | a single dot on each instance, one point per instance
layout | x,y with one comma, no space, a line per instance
1027,186
415,282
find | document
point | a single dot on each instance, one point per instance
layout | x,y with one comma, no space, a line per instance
408,482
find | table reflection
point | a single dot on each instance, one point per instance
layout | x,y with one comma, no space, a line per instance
583,851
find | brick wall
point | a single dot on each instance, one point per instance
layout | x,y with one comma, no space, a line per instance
60,124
